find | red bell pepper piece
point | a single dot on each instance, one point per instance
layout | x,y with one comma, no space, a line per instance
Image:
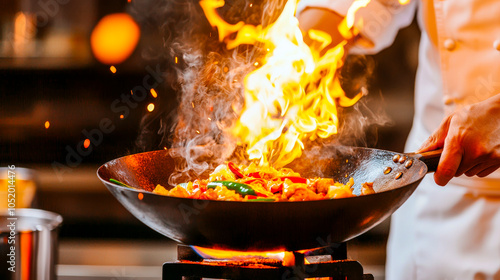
255,174
276,188
235,170
295,179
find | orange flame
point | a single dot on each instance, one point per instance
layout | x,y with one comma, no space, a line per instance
209,253
293,96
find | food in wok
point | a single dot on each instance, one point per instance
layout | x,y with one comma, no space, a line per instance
253,183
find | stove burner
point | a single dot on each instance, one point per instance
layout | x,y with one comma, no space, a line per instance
191,266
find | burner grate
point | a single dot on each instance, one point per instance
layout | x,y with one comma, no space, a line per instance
193,267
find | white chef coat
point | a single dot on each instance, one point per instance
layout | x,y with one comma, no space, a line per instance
451,232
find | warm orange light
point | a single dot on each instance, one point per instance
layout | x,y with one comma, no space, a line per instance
112,69
176,60
404,2
140,196
47,125
26,244
153,93
121,117
86,143
114,38
151,107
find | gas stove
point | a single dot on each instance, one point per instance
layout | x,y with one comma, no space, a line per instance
330,262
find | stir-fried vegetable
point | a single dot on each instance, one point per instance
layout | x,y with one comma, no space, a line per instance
262,184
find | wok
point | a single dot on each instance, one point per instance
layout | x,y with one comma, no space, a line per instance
270,225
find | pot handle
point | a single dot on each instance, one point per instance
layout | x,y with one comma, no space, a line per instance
431,159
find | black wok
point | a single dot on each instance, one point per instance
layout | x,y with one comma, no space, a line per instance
270,225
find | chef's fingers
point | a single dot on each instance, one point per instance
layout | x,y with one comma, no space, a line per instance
488,171
483,168
436,140
476,169
449,163
471,166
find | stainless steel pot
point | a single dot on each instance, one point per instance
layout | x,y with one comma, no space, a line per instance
28,244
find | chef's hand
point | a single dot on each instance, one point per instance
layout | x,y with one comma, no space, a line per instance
470,139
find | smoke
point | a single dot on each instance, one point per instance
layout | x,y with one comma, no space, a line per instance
208,82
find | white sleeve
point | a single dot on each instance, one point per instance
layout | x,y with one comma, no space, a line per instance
378,22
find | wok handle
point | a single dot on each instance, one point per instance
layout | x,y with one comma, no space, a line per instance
431,159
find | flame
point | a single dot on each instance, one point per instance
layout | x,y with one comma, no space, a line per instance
293,97
209,253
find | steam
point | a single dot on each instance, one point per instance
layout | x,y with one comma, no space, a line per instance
208,80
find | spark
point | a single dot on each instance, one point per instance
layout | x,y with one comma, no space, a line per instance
151,107
153,93
47,125
140,196
112,69
86,143
121,116
176,60
256,64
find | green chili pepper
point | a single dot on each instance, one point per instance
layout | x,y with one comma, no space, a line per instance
240,188
261,200
120,183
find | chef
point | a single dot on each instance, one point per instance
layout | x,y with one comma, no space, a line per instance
451,232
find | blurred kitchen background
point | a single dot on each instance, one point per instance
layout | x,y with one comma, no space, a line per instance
53,89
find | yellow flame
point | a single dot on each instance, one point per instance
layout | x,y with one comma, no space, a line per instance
292,98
